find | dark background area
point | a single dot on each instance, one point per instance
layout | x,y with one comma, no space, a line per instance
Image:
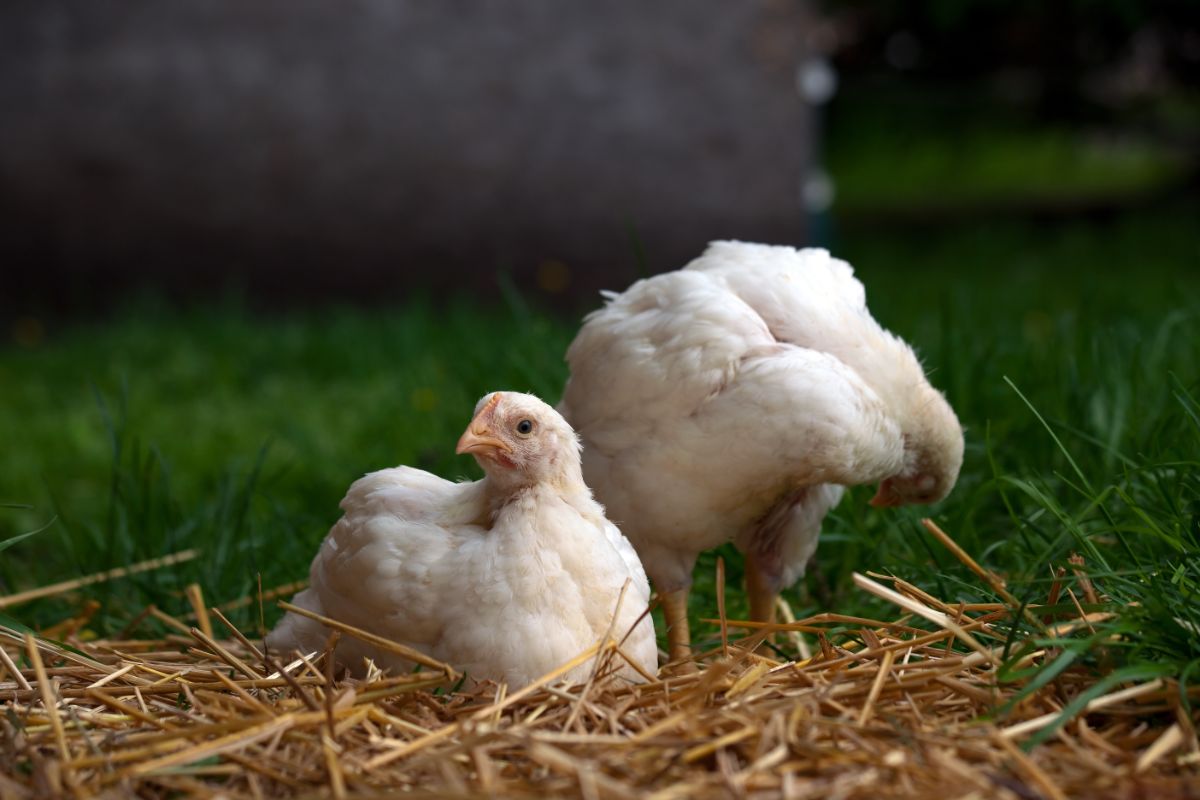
1040,110
298,152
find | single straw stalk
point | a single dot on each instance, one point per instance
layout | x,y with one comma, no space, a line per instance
49,701
98,577
374,639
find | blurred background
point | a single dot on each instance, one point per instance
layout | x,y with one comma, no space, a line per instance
250,251
293,152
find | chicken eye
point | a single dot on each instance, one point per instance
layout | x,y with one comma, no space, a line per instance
525,427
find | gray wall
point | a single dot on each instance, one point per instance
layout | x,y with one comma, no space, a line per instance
307,147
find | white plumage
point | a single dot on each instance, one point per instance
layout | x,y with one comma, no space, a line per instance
504,578
732,399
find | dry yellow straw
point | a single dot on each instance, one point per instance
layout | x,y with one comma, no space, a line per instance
180,715
885,669
12,670
937,617
196,597
49,701
1037,723
382,643
98,577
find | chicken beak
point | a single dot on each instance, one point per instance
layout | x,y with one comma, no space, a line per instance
885,497
480,439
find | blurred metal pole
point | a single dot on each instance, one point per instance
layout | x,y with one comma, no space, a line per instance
816,84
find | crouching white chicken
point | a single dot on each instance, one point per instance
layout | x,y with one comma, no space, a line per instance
732,400
505,578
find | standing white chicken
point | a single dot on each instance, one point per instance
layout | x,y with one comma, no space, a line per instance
732,400
505,578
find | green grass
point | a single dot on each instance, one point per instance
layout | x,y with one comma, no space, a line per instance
905,151
162,430
1071,353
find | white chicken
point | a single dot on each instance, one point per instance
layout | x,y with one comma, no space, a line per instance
505,578
733,399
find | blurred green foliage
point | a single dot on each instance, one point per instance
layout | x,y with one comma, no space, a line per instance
938,155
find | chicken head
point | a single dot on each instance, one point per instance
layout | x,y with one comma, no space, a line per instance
933,453
518,439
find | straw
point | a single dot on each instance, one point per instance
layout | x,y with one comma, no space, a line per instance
901,707
99,577
374,639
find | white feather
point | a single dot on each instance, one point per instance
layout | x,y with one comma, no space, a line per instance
729,400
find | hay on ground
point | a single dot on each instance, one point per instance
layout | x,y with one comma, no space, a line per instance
884,709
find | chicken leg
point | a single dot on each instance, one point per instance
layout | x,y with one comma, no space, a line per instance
679,638
760,592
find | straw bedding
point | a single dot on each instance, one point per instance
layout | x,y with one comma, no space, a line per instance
881,709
